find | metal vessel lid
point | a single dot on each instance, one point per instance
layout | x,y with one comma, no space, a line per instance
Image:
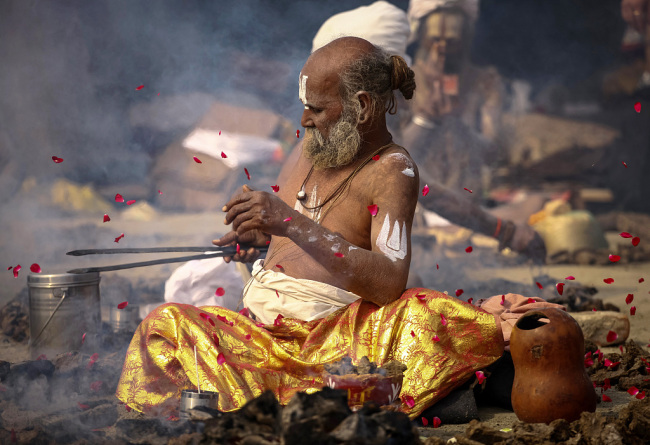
62,279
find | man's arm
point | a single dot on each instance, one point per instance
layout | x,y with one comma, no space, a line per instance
378,275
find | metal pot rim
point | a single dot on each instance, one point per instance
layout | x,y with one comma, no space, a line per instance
62,279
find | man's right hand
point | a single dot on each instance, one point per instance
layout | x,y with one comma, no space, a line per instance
253,238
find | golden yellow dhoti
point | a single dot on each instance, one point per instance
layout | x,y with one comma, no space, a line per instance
441,339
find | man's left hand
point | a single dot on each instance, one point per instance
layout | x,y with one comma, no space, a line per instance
256,210
526,240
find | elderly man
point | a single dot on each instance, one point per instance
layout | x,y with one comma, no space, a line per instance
332,284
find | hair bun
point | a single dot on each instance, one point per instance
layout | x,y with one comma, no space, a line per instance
402,77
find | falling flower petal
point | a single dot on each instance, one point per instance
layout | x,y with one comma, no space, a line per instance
570,278
443,320
625,235
96,386
624,164
641,395
633,310
287,219
412,334
338,255
614,258
223,155
459,292
531,301
35,268
375,158
560,288
503,300
468,249
211,321
276,188
410,402
223,319
480,376
128,408
277,294
539,284
57,160
436,338
220,292
16,270
608,280
421,297
245,312
606,384
278,320
637,107
221,359
469,300
629,298
122,305
641,280
437,267
197,160
83,338
119,198
41,357
215,338
425,190
633,391
298,133
611,336
82,406
159,192
635,241
436,422
117,240
373,209
589,362
594,309
425,422
130,202
606,398
140,87
106,217
465,188
248,336
248,175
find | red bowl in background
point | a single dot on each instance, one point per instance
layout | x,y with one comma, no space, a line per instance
364,387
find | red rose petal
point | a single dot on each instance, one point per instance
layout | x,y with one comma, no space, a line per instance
412,334
373,209
287,219
611,336
211,321
35,268
215,337
338,254
106,217
614,258
223,155
637,107
469,300
459,292
606,398
635,241
16,270
245,312
436,422
221,359
633,310
220,292
83,338
41,357
122,305
130,202
96,386
410,402
608,280
480,376
539,284
298,133
420,297
531,301
425,190
94,357
159,192
277,294
248,336
443,320
570,278
641,395
606,384
629,298
375,158
197,160
119,198
560,288
278,320
503,300
641,280
117,240
57,160
128,408
465,188
248,175
425,422
594,309
435,338
276,188
624,164
437,267
633,391
468,249
82,406
589,362
139,88
625,235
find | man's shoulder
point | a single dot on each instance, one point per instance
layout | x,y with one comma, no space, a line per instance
397,160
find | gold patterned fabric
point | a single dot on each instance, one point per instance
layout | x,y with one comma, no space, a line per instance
441,340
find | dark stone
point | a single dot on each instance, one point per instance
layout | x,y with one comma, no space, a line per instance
4,370
32,369
99,417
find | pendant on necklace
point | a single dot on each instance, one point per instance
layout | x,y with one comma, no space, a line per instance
301,195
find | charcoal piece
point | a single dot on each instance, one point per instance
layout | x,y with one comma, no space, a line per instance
365,366
458,407
144,429
396,425
359,429
634,419
482,433
32,369
99,417
4,370
308,418
393,368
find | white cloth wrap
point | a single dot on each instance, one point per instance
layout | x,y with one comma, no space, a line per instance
296,298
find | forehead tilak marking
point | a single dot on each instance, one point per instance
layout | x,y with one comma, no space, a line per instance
302,89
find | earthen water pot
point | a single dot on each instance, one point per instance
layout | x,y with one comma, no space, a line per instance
551,382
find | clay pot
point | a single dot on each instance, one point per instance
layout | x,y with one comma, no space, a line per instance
551,382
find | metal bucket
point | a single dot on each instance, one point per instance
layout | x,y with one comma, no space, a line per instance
124,320
62,308
191,398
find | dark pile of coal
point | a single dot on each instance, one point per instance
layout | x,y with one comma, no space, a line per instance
628,371
344,367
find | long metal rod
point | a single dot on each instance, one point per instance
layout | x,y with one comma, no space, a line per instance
156,262
65,293
82,252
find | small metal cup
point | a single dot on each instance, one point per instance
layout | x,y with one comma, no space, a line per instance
124,320
191,398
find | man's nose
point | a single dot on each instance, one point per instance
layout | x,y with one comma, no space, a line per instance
306,119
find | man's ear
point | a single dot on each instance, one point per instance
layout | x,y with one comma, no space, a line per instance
366,106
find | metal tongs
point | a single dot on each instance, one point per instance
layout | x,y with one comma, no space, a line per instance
215,252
